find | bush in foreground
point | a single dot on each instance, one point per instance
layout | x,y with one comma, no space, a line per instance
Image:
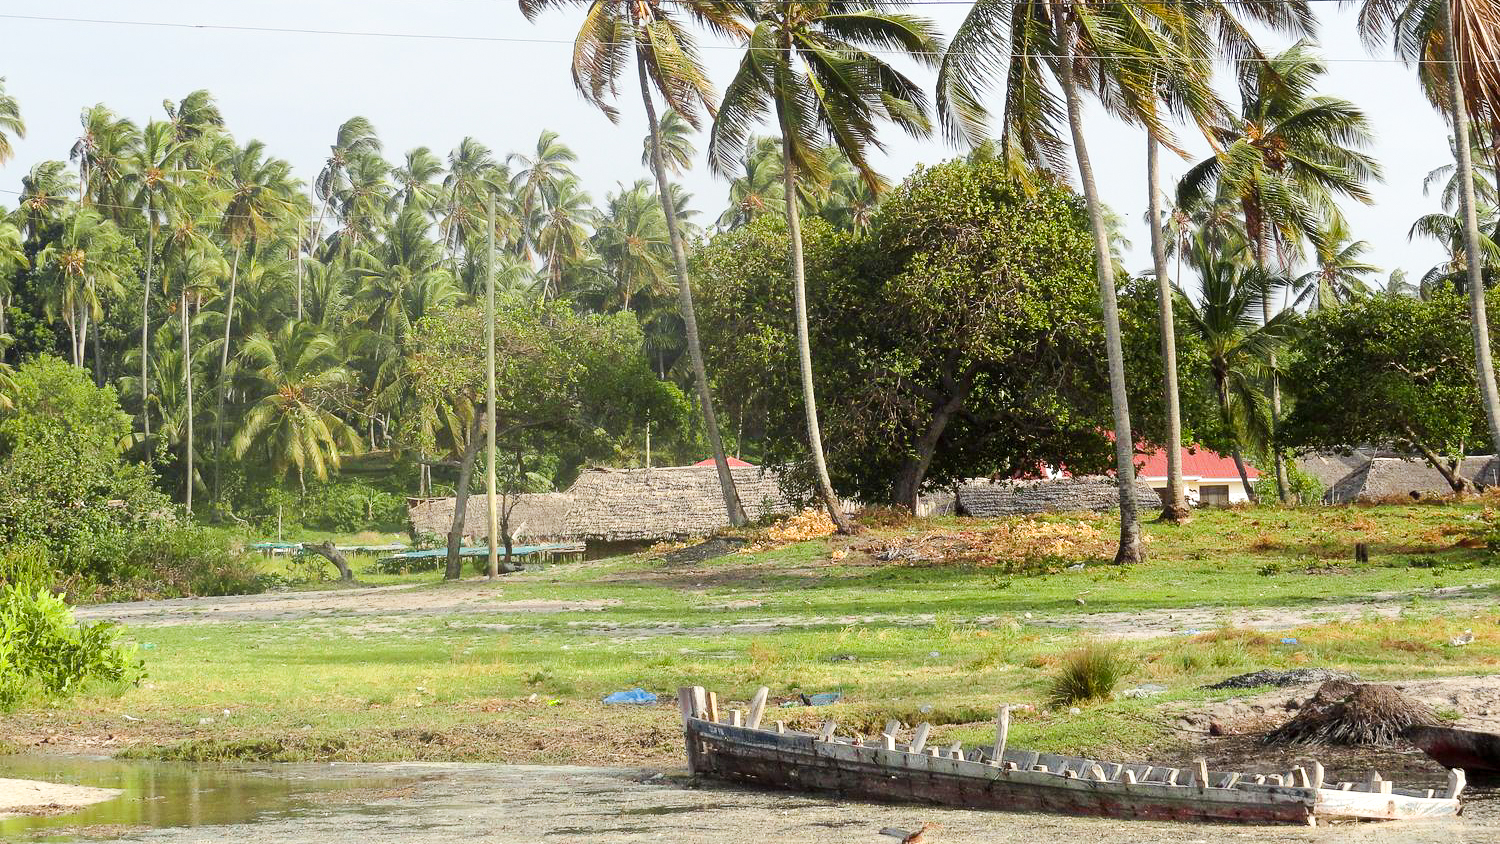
1088,673
44,653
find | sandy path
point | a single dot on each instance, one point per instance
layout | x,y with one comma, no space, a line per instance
494,803
31,797
481,597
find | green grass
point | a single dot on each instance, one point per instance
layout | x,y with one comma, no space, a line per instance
944,643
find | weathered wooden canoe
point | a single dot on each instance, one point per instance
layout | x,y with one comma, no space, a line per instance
738,749
1475,751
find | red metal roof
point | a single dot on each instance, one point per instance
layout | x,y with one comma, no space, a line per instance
1197,462
734,463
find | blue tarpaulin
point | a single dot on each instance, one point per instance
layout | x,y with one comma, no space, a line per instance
632,696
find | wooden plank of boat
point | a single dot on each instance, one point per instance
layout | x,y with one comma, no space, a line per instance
1473,750
1026,780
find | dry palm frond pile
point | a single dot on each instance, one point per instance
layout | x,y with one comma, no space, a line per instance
1353,713
812,523
1016,541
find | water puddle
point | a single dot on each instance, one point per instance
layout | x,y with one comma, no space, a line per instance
169,794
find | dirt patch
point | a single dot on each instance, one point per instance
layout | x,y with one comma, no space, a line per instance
33,797
707,550
1022,541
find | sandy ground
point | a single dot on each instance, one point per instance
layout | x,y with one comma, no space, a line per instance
29,797
492,803
481,597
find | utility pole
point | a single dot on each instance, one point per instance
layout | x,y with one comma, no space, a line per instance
489,386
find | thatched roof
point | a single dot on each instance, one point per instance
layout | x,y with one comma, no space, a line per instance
989,499
675,502
541,516
1381,478
1330,467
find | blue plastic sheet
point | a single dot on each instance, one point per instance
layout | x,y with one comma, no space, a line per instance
632,696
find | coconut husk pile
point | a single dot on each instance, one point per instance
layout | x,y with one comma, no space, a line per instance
1353,714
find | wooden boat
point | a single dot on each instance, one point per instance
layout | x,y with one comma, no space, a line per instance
739,749
1475,751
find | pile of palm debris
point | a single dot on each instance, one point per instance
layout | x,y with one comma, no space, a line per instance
812,523
1353,714
1021,540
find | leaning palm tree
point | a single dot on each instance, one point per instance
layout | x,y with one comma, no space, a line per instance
1286,158
10,122
1226,319
103,151
815,67
1452,43
667,61
1119,51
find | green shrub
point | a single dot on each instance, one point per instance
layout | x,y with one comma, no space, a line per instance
1088,673
169,560
44,653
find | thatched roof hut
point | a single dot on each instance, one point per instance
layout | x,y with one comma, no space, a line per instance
1382,478
987,498
538,517
674,502
1330,467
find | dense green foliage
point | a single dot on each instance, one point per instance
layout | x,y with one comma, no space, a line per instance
43,652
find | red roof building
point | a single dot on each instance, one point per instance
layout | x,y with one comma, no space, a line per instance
1208,478
734,463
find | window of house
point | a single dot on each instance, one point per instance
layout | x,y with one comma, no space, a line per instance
1213,495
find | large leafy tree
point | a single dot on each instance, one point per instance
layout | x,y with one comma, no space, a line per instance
1453,47
819,69
1391,370
1120,52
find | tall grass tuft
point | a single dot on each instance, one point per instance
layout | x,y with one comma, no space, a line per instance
1088,673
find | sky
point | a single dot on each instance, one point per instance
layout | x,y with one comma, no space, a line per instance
478,68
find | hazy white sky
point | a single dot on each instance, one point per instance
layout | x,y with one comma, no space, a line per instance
292,90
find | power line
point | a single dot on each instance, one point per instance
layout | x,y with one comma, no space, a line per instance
502,39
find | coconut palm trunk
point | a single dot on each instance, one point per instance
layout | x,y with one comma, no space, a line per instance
1174,505
732,505
1478,317
1131,549
1221,390
234,272
1283,488
146,330
804,345
187,382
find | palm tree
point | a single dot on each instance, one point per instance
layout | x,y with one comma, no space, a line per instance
757,187
1284,158
296,374
1340,272
355,140
195,116
189,254
810,64
537,176
103,153
155,176
677,148
10,122
1456,38
13,260
416,180
631,238
1227,319
85,262
562,237
473,176
1448,175
1119,51
45,192
1448,230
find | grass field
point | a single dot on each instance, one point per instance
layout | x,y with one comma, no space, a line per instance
901,630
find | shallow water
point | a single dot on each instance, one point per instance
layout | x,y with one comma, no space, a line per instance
170,794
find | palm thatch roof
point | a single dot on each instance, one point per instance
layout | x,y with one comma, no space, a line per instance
1382,478
1330,467
988,498
541,517
675,502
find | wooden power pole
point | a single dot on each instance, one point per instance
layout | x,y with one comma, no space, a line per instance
489,389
